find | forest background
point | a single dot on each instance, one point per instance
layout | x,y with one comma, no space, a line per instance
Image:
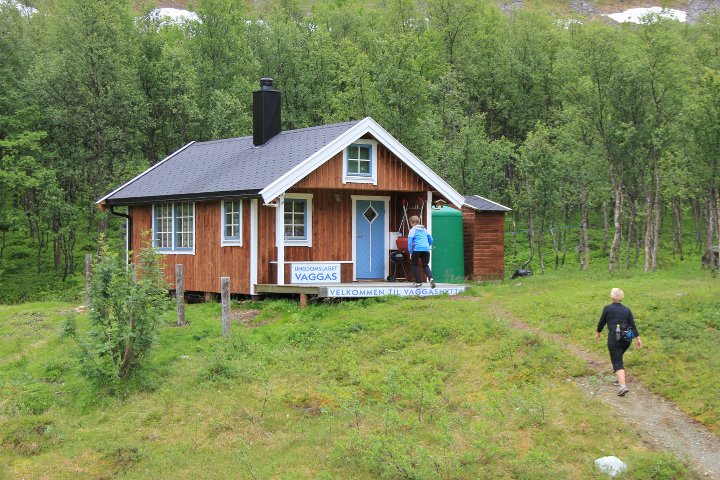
603,139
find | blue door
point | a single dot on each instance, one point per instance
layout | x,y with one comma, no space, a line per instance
370,251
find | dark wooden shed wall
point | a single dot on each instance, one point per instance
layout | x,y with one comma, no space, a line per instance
484,238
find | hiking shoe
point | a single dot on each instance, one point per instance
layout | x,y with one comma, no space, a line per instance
622,391
417,285
432,283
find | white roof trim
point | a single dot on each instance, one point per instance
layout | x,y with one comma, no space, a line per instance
487,200
102,200
366,125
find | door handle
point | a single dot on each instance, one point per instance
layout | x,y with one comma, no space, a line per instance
360,235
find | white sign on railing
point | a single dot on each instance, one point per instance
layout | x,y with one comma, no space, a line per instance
314,273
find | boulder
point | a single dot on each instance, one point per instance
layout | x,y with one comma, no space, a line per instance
610,465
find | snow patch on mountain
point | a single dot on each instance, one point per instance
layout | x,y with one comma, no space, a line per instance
641,15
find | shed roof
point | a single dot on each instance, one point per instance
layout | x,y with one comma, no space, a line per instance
481,204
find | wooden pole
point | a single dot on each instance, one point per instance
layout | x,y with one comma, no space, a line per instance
303,300
88,278
180,294
225,295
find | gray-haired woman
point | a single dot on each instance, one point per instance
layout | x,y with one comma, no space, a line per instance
618,318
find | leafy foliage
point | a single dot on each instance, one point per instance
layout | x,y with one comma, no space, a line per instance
127,302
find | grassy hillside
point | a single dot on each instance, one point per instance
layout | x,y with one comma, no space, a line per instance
391,388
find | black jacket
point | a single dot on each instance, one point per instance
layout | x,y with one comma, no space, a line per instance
614,314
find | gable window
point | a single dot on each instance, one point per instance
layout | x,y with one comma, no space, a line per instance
231,224
360,162
359,159
174,227
298,219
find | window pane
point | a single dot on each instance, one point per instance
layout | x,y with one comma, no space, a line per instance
353,166
163,226
184,225
232,220
364,153
364,167
352,152
295,218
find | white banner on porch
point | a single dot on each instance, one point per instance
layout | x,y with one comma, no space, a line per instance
314,273
377,291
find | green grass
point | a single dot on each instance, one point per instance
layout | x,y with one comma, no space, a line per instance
677,311
390,388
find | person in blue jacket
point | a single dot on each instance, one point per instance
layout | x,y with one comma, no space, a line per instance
419,241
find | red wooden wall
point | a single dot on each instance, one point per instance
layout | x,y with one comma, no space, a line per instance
484,238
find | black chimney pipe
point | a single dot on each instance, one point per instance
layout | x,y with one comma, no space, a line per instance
266,112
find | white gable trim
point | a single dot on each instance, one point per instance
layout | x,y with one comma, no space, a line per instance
367,125
102,200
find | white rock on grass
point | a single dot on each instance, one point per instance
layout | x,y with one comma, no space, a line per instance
610,465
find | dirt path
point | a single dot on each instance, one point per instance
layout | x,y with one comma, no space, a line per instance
661,424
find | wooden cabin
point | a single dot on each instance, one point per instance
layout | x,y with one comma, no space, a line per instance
308,207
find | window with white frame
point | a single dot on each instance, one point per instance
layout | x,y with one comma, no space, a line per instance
174,227
360,162
297,219
231,222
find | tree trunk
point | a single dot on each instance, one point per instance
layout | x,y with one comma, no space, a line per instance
648,232
128,353
710,214
717,226
658,218
617,221
606,228
541,241
677,215
563,237
585,242
631,233
697,223
514,233
531,235
555,243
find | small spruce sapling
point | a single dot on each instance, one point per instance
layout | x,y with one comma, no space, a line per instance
125,310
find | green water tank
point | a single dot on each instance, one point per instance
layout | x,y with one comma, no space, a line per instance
448,255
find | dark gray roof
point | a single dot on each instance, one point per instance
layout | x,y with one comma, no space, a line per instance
483,204
230,166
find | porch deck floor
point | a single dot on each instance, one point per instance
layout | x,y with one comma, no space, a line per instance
364,289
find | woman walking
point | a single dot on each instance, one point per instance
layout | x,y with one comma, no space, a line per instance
619,319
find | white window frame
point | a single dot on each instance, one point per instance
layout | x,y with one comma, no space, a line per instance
307,241
361,178
231,242
173,250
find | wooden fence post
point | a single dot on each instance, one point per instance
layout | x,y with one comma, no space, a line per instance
88,278
225,295
180,294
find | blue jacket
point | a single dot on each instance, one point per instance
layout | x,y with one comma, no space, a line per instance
419,239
